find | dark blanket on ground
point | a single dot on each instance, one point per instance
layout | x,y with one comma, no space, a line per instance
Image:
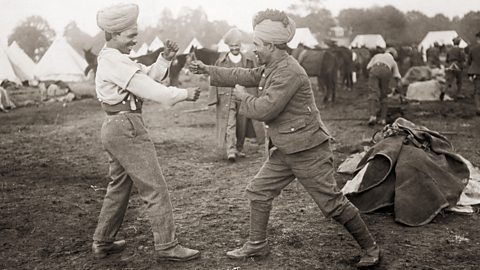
414,169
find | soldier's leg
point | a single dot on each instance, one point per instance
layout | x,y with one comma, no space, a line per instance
314,170
231,132
241,130
373,95
385,78
458,77
128,141
265,186
113,211
476,86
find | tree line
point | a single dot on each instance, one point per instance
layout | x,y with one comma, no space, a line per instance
34,35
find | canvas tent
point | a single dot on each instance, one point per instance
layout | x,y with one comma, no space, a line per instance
369,41
61,62
193,43
222,47
143,50
442,37
156,44
6,69
22,64
304,36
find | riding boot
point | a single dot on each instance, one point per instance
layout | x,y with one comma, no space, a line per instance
257,245
351,220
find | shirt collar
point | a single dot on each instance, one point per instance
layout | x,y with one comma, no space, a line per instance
271,66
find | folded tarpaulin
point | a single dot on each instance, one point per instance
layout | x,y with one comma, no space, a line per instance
413,169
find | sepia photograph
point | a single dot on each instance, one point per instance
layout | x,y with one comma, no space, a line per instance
240,134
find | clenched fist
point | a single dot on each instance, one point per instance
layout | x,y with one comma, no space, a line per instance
193,94
171,49
239,91
198,67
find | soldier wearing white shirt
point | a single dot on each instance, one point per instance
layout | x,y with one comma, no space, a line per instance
121,85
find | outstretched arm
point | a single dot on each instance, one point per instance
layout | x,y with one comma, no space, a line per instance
145,87
228,77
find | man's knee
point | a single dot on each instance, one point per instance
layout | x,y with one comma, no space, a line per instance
261,206
345,213
257,195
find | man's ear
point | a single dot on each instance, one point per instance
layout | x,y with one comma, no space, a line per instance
115,35
271,47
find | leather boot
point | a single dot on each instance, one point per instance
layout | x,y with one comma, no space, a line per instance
250,249
351,220
177,253
257,245
103,249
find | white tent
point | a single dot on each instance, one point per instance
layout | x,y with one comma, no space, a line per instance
222,47
156,44
133,53
6,69
369,41
61,62
193,43
304,36
143,50
442,37
22,64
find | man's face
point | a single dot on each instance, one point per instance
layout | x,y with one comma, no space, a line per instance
478,40
125,40
234,48
263,52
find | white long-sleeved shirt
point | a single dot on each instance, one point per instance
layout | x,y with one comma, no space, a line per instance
387,59
118,76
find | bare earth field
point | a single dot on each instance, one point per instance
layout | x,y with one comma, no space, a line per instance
53,174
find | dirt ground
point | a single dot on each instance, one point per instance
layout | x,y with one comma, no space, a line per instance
53,174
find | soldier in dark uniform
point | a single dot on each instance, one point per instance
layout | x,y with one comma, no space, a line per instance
474,70
454,70
297,139
433,55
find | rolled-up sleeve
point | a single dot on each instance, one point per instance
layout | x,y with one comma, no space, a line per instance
158,70
144,86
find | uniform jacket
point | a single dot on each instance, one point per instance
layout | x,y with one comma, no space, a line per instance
221,97
455,56
286,104
474,60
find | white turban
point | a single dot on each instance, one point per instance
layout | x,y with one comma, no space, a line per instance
233,36
274,31
117,18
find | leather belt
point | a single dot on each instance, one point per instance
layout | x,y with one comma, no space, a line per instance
123,112
379,64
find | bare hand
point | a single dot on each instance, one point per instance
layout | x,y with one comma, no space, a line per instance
171,49
193,94
198,67
239,91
